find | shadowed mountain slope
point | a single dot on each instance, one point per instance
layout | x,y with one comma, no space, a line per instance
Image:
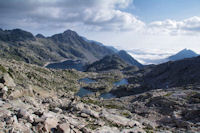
22,45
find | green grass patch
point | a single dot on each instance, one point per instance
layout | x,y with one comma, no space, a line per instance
3,69
168,94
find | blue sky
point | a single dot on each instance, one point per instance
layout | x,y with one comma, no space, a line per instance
152,10
158,25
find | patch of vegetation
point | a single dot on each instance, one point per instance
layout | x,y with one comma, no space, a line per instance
111,124
102,104
3,69
112,106
42,70
168,94
148,130
10,71
92,126
90,101
126,114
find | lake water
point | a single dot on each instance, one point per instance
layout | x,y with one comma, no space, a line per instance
121,82
83,92
68,64
107,95
87,80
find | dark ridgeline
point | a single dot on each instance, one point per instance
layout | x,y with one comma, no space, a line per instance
22,45
76,50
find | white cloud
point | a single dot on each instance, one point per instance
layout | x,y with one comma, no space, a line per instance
117,26
188,26
151,56
93,14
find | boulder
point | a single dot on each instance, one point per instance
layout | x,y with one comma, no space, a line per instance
106,129
8,81
21,92
4,89
50,123
1,85
5,113
90,112
26,115
85,109
1,103
133,130
11,120
63,128
119,120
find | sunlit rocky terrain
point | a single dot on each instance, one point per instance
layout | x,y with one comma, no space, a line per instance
111,93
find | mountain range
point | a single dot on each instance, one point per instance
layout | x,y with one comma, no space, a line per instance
147,57
22,45
115,93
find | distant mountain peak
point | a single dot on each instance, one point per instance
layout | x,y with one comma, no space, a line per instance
70,32
122,51
40,36
16,35
128,58
186,50
63,37
185,53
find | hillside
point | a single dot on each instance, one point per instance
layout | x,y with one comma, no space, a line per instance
110,62
173,74
128,59
36,99
22,45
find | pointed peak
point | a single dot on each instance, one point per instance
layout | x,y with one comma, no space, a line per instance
70,32
40,36
186,50
122,51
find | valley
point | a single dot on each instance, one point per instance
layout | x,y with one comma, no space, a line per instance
92,89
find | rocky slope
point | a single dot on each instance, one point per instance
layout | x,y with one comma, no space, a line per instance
36,99
174,74
129,59
110,62
22,45
179,73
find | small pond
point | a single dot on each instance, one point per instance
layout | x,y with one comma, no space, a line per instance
121,82
87,80
107,95
68,64
83,92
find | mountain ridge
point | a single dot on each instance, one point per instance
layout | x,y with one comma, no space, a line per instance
22,45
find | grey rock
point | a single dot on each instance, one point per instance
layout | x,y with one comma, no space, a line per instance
50,123
85,109
106,129
120,120
133,130
63,128
8,80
